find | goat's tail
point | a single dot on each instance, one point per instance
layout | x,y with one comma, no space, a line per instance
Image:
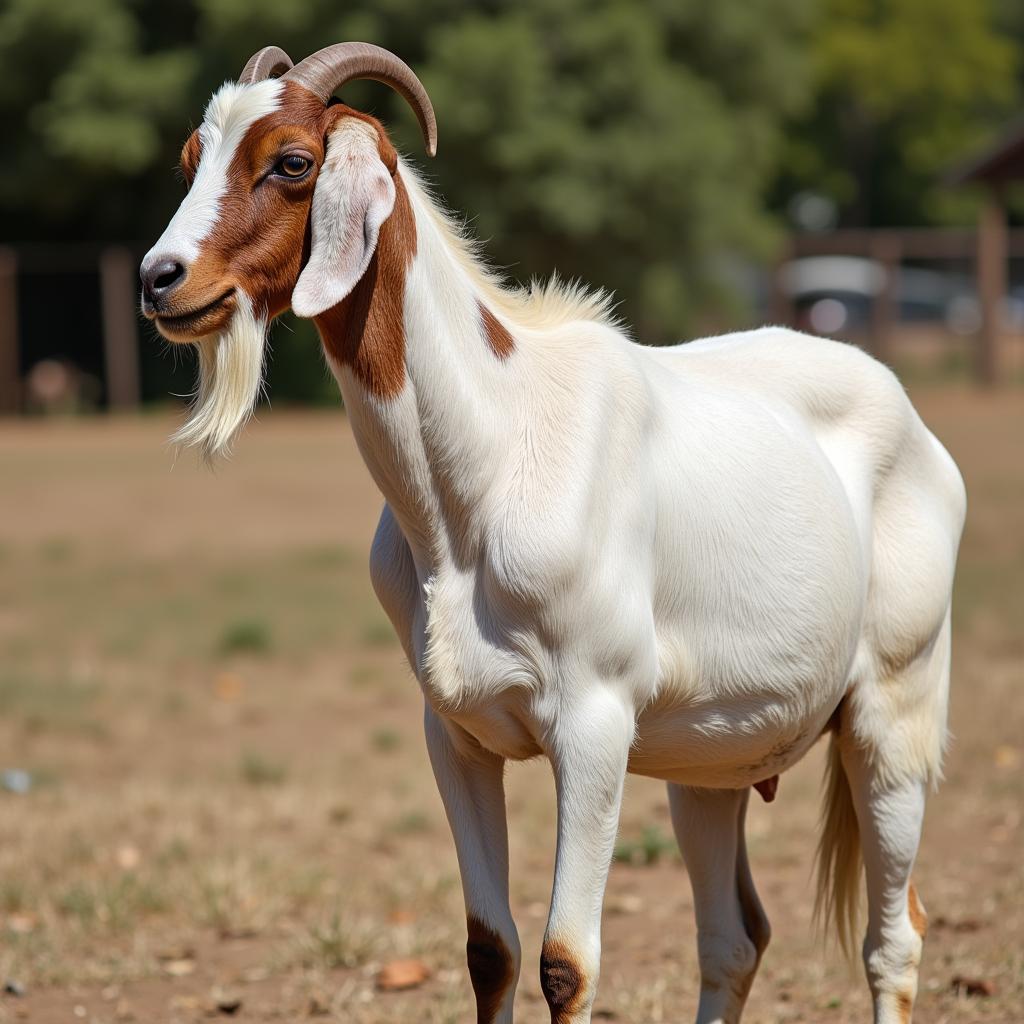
839,858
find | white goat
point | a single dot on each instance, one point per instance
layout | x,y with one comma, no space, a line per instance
687,563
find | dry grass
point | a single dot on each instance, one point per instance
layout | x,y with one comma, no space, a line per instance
230,793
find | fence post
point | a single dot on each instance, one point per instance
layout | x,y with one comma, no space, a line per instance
992,253
10,384
780,303
887,252
120,327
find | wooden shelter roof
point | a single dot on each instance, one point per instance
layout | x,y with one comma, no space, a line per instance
1002,161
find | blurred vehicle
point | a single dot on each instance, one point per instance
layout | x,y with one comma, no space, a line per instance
835,294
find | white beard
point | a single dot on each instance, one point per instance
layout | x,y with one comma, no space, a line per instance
230,382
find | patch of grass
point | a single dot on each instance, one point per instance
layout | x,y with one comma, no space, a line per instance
652,845
363,675
78,900
336,941
13,896
386,740
132,896
306,885
411,823
79,849
339,814
451,1008
176,851
260,770
58,703
44,776
245,636
233,896
174,703
56,549
325,556
379,633
113,904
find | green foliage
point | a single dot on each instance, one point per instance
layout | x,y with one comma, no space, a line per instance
640,147
88,107
616,142
626,144
296,368
903,90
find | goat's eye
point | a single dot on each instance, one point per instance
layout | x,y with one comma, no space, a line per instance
293,166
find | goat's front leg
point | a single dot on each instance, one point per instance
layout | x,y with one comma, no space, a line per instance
470,780
589,752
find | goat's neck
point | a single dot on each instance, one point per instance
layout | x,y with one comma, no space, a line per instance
425,370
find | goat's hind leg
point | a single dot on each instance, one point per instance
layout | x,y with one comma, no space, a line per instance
889,816
732,930
890,742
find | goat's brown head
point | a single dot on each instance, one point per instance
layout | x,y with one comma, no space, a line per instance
287,194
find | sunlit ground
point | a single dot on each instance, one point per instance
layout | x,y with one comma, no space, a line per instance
227,795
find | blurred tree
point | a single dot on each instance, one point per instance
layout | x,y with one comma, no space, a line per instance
903,89
88,112
626,144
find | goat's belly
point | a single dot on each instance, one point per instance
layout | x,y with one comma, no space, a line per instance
730,743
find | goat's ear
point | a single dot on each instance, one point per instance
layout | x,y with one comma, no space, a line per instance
354,195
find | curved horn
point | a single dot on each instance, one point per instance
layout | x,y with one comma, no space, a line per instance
329,69
265,63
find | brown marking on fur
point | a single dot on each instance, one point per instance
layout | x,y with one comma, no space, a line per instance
501,342
191,153
262,237
562,980
904,1007
491,969
768,788
366,331
918,917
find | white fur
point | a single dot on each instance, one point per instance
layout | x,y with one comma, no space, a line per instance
670,561
230,381
230,363
677,562
354,196
229,115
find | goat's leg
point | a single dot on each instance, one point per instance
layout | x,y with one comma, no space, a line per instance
588,755
889,815
732,930
470,780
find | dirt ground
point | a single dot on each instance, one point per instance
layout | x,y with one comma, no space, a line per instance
229,809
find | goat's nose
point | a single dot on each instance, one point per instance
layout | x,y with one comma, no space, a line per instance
160,278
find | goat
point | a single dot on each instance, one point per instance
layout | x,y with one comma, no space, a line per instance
688,563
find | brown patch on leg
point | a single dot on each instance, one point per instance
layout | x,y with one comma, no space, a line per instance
904,1007
497,337
768,788
918,918
562,981
490,969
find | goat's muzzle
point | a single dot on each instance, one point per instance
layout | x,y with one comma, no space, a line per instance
160,278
